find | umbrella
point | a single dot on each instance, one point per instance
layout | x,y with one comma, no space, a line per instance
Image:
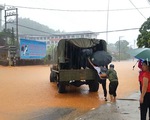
141,53
101,58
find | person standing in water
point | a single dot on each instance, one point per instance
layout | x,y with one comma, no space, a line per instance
111,74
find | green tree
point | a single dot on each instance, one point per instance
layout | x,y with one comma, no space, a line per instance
7,37
122,44
122,47
2,39
51,54
143,39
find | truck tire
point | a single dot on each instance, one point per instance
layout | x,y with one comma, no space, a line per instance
53,76
61,87
93,85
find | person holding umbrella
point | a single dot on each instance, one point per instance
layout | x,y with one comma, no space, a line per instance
140,61
100,70
98,60
145,95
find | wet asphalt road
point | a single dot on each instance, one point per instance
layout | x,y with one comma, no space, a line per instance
123,109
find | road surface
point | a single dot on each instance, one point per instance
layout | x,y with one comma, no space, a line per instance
27,94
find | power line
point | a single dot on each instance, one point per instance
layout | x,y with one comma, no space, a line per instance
79,11
33,29
127,29
109,31
137,9
65,10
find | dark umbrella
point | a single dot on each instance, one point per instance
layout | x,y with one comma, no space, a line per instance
101,58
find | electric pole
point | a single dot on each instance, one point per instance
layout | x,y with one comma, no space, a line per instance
119,46
11,14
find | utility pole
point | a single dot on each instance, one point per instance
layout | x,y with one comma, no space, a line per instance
134,43
119,49
11,13
17,28
2,7
107,21
13,37
119,46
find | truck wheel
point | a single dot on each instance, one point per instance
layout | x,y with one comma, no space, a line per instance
93,85
61,87
53,76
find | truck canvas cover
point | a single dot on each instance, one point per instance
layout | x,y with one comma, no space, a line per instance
78,44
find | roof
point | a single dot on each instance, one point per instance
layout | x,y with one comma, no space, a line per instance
78,32
61,33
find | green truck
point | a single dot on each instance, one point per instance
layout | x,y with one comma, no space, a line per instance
72,67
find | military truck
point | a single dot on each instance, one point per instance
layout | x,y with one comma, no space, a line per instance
73,67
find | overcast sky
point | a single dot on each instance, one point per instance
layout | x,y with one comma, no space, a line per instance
96,21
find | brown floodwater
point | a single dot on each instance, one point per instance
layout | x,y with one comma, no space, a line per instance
26,88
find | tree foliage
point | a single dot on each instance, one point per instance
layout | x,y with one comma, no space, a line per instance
122,45
119,50
51,54
143,39
7,35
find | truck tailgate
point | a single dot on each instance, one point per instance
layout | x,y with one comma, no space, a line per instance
77,74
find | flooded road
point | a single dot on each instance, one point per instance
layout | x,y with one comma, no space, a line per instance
27,89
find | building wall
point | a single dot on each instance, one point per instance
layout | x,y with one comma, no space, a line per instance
54,39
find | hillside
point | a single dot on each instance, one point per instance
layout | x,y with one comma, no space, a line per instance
30,27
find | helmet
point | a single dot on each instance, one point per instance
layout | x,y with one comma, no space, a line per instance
111,65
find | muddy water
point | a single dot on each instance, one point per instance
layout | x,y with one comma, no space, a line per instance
23,89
